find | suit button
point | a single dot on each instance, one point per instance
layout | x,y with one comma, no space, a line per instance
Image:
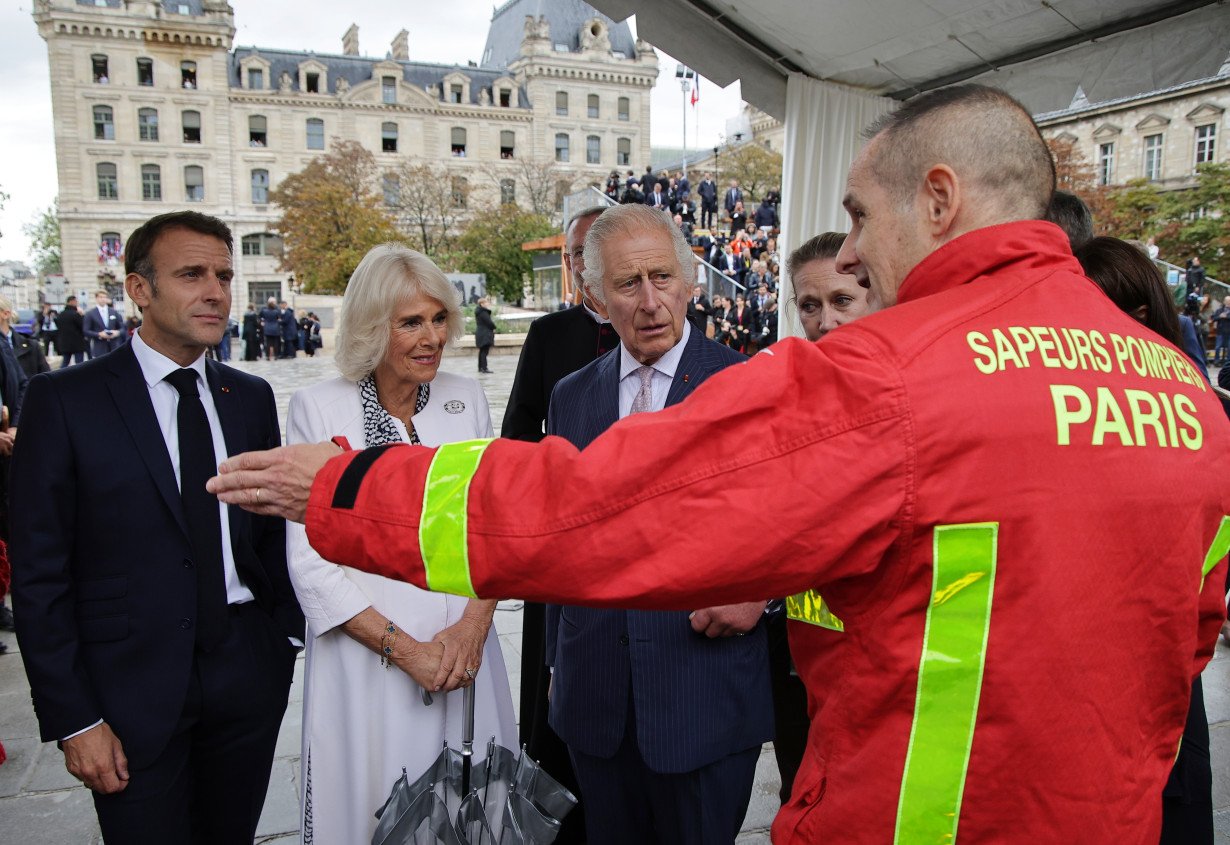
623,639
187,563
185,624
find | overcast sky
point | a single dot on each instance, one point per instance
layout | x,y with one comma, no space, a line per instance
27,146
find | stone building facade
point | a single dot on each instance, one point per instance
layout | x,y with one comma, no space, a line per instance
1159,136
155,109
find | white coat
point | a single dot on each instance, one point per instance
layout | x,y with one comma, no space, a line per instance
362,722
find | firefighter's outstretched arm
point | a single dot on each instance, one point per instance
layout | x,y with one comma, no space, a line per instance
818,436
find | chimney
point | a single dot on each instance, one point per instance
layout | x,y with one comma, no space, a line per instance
350,41
401,46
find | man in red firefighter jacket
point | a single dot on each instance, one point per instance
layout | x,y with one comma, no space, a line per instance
980,480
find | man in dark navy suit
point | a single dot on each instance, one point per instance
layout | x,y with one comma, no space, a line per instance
103,325
158,627
663,712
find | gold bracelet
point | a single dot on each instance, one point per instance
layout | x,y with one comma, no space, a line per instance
387,641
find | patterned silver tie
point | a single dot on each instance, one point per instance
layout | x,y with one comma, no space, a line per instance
644,397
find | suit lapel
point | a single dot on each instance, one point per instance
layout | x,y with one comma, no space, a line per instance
131,396
690,370
230,414
606,408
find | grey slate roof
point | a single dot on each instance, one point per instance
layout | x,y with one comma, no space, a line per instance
565,17
358,69
1072,111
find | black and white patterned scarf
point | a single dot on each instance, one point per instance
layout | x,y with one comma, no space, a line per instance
378,427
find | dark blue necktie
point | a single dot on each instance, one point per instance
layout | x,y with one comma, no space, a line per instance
196,465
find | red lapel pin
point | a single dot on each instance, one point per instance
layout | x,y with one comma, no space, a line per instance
226,389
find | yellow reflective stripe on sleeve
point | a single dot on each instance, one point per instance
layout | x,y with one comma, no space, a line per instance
809,607
442,526
1217,551
949,683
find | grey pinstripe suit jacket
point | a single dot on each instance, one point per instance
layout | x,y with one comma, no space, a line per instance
696,699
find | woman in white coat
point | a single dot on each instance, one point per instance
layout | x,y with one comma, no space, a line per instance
374,644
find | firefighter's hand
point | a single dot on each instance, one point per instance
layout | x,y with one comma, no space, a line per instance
276,482
728,620
96,758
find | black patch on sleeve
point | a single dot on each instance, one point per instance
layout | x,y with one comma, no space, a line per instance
347,489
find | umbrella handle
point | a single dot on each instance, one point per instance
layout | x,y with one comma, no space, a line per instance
467,724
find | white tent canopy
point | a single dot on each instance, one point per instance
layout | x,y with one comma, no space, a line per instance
829,67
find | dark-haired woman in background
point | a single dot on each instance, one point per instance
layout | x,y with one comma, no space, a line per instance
1132,282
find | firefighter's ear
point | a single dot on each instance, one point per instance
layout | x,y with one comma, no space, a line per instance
942,200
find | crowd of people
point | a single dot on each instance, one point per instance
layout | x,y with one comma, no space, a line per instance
929,627
277,332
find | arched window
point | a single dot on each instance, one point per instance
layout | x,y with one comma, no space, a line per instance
591,106
315,133
508,141
623,109
110,248
561,146
194,183
145,72
623,151
508,192
104,123
108,184
260,187
593,149
388,137
561,103
192,127
458,139
151,182
187,74
258,135
147,124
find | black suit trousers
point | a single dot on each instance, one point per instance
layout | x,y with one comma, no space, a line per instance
209,783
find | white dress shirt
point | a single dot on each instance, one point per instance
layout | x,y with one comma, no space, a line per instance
663,374
156,367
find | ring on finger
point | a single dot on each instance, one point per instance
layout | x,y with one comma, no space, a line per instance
258,495
470,673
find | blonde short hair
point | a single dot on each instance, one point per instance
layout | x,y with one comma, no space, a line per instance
387,276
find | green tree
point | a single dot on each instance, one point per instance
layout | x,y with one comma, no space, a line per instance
44,234
331,217
757,168
491,244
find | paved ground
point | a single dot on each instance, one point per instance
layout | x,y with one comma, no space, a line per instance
41,804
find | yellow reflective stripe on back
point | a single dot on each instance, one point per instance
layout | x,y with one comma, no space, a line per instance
809,607
442,526
949,683
1217,551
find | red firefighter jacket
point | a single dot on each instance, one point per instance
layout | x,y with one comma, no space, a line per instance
1013,495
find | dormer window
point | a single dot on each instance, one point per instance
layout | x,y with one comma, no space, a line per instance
455,92
98,65
505,98
388,89
312,83
256,78
187,74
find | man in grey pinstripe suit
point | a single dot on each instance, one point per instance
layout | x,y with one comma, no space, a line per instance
663,712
